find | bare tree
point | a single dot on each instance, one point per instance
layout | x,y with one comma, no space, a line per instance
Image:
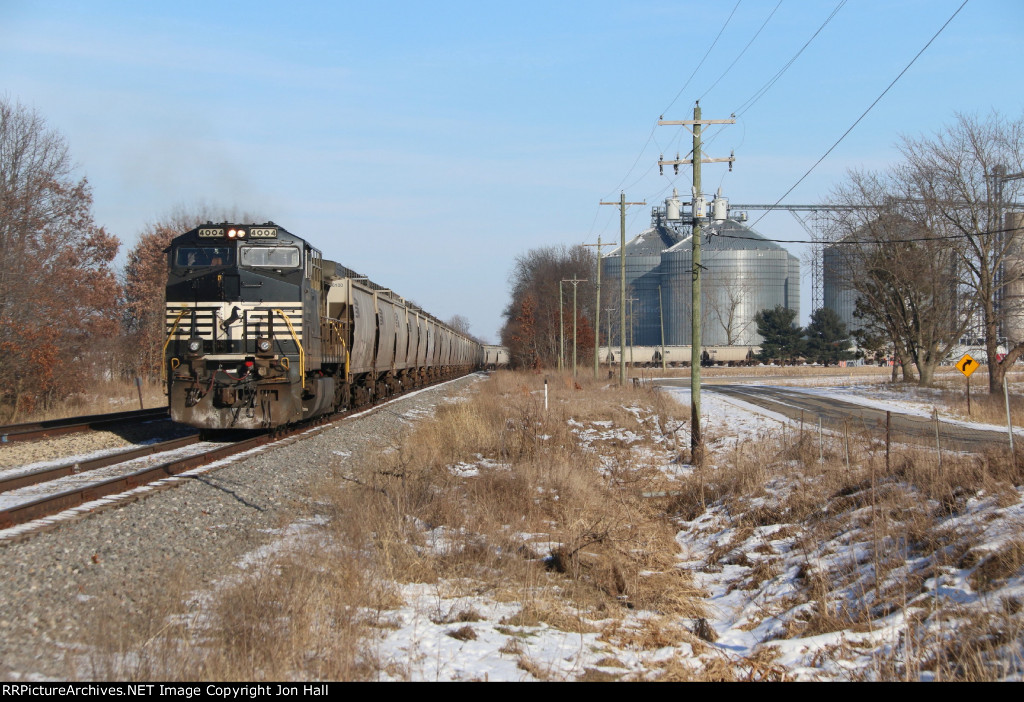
57,288
904,274
958,188
726,293
532,326
461,324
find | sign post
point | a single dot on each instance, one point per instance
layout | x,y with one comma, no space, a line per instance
967,365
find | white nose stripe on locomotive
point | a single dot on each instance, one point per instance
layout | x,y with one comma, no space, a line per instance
251,320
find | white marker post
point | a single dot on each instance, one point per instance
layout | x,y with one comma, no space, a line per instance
1009,424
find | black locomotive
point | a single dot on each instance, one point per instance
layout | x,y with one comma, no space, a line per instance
262,331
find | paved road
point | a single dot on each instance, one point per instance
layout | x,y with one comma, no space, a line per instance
837,415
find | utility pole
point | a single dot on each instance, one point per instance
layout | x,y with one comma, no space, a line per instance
561,329
631,300
609,310
699,215
575,282
661,318
597,307
622,280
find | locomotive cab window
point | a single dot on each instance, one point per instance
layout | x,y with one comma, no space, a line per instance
203,256
270,256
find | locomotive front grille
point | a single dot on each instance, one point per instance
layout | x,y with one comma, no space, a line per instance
250,321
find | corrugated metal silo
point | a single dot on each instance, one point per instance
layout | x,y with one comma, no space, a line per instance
676,284
643,261
743,274
837,294
1013,298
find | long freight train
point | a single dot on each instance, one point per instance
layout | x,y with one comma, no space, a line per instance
263,331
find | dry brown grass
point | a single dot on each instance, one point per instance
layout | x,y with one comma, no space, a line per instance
949,395
407,513
985,408
466,499
616,547
907,520
296,616
103,397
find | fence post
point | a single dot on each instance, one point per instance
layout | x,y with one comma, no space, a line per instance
821,450
846,434
888,438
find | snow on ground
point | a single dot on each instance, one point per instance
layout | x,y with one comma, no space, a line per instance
729,417
914,401
753,597
439,637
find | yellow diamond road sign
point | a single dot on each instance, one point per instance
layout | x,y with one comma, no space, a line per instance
967,365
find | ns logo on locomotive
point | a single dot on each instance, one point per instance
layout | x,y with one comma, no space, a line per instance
263,331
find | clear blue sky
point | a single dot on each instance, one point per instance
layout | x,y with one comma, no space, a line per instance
428,144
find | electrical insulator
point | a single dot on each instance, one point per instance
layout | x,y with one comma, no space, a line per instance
676,164
661,168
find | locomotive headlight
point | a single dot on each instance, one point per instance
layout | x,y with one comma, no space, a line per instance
263,345
195,345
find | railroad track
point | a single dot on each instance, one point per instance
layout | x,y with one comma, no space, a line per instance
15,481
55,427
21,503
33,499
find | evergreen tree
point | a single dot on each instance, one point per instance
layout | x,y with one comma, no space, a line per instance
781,339
828,341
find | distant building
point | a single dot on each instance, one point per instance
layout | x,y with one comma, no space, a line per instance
837,293
743,273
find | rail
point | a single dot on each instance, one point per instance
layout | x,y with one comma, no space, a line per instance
54,427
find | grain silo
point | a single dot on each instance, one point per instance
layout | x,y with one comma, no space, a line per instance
643,276
837,292
1013,274
743,274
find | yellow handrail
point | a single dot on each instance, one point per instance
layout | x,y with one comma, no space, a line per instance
163,353
302,353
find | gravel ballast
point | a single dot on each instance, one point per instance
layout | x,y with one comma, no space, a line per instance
59,582
22,453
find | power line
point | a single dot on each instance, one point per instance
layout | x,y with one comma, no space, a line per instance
771,81
763,25
687,83
870,107
706,53
638,157
858,241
